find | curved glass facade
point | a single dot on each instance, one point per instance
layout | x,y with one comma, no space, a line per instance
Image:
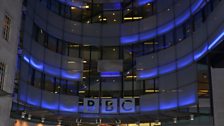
147,69
94,12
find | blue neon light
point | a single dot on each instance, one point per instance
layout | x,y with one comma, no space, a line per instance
148,74
68,108
26,59
77,4
32,101
110,74
129,39
199,53
149,108
51,70
71,75
162,29
182,62
190,99
112,6
167,68
50,106
145,35
168,105
216,41
143,2
36,64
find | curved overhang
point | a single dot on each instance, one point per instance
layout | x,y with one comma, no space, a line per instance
111,4
184,61
142,36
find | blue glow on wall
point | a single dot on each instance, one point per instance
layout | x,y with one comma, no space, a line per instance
167,68
50,106
146,35
68,108
129,39
183,17
199,53
74,76
190,99
161,29
32,101
182,62
149,108
36,64
143,2
51,70
216,41
26,59
112,6
168,105
165,28
147,74
77,4
110,74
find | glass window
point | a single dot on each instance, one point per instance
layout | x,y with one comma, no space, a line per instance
2,74
55,5
179,33
73,50
110,53
169,39
72,88
63,87
40,37
52,43
6,27
49,83
37,79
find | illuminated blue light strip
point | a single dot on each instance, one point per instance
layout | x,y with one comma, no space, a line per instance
167,68
162,29
143,2
182,62
112,6
187,100
148,74
77,4
149,108
51,70
168,105
37,65
107,6
110,74
68,108
71,75
172,104
34,102
50,106
200,52
56,104
216,41
26,59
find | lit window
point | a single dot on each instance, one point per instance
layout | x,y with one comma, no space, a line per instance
2,74
6,27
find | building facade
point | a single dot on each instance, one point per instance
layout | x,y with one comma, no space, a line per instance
10,26
116,62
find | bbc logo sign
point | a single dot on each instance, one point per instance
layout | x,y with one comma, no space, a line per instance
109,106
